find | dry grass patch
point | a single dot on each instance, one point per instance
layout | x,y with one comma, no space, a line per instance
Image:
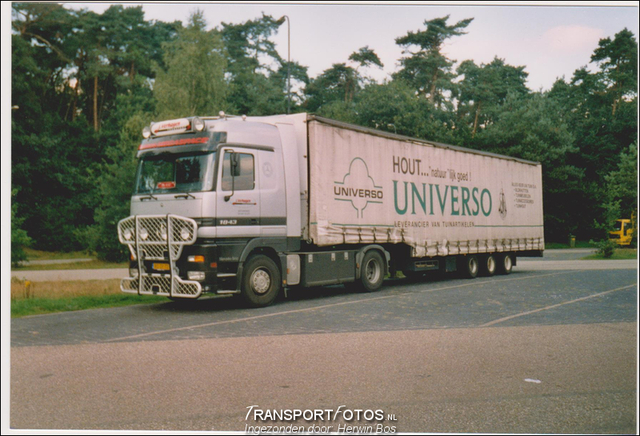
25,289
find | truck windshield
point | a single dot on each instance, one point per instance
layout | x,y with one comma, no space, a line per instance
171,173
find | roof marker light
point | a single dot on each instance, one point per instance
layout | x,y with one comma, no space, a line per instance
198,124
146,132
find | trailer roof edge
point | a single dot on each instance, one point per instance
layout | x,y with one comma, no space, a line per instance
389,135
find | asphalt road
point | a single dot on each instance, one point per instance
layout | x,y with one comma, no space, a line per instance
543,350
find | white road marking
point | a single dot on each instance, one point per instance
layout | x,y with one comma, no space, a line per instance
553,306
308,309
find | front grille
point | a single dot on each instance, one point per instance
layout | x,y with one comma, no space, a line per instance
154,238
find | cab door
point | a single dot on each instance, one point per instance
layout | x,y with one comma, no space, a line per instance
238,193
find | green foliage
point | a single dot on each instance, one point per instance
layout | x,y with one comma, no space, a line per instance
38,306
257,73
621,184
528,128
86,83
19,237
428,70
114,188
485,88
606,248
193,82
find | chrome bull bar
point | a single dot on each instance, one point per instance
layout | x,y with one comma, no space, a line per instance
159,238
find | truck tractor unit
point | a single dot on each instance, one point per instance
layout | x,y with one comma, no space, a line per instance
257,205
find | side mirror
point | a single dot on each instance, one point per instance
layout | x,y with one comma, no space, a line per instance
235,165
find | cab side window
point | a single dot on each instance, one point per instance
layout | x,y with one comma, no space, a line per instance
246,181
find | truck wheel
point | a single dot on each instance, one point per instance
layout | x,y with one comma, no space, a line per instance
505,263
372,272
469,266
489,265
261,281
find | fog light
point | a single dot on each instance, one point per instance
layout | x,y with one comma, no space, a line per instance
195,275
128,234
185,234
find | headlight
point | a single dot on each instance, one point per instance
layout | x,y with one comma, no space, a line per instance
163,233
133,272
128,234
185,234
143,234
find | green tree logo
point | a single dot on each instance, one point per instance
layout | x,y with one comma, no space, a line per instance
358,187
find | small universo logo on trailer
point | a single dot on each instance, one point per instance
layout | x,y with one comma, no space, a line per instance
358,187
503,205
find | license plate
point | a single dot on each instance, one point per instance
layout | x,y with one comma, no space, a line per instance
160,266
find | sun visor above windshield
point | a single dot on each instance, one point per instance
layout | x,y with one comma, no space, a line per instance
182,143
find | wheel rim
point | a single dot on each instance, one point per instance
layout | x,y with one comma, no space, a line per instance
473,266
507,263
372,271
260,281
491,264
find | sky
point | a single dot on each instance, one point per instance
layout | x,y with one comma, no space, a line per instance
550,41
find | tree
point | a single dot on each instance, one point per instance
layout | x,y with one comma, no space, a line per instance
341,82
621,189
193,82
114,187
486,86
428,70
530,128
618,60
56,150
255,67
19,237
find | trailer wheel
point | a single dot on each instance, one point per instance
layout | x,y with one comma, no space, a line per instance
505,263
261,281
372,272
469,266
489,265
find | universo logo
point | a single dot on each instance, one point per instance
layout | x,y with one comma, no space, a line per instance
358,187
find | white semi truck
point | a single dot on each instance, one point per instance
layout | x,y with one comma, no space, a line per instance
255,205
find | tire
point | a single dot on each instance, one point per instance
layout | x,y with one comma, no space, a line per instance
372,272
469,266
488,265
261,281
505,263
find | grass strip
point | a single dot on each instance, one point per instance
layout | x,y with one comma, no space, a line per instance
33,298
55,255
618,254
560,245
38,306
92,264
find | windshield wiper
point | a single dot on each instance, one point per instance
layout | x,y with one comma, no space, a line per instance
185,195
148,197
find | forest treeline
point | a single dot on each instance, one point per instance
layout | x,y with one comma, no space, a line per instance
85,84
